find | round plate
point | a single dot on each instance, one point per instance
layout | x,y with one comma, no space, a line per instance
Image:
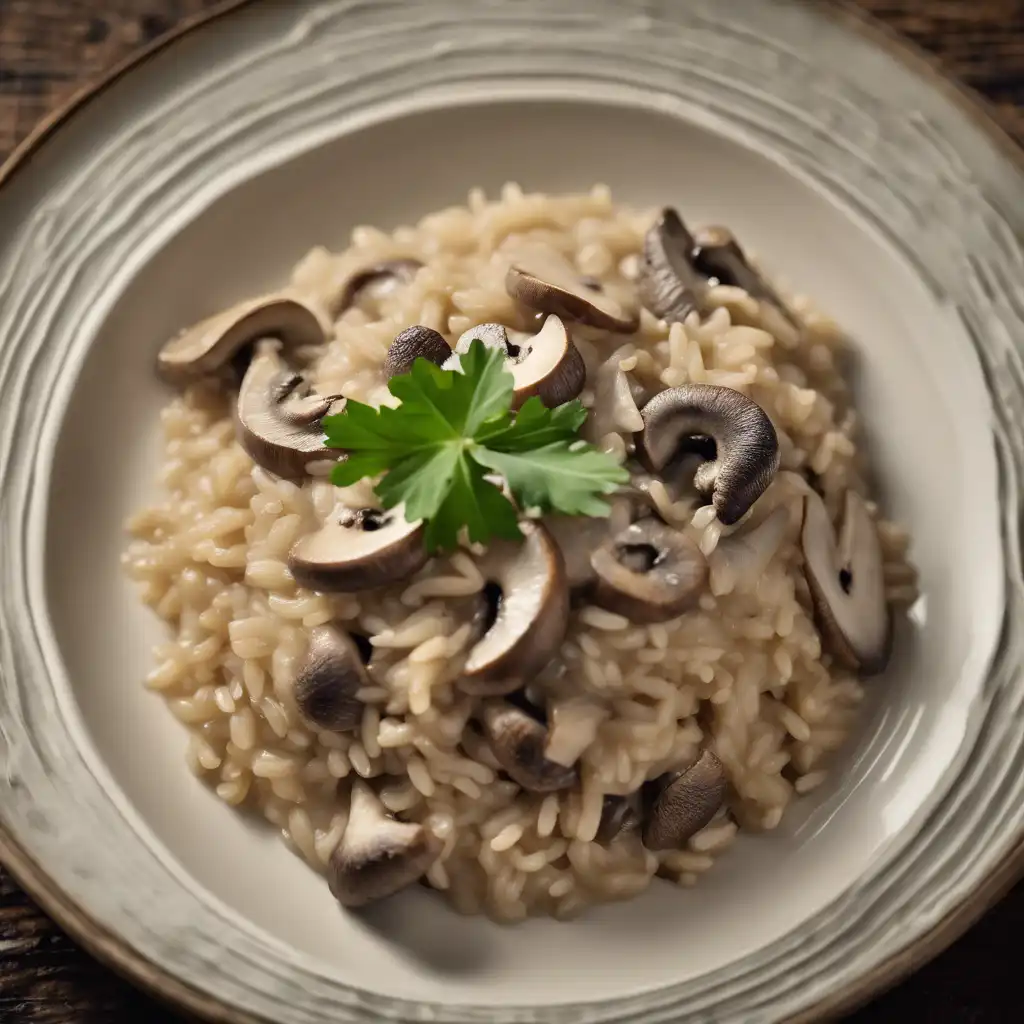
202,172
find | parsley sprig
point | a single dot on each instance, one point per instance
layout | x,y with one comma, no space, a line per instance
454,428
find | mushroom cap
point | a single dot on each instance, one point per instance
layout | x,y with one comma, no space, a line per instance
649,572
847,583
358,549
717,254
532,615
211,344
746,445
277,421
546,281
416,342
684,802
377,280
517,741
546,364
330,677
668,284
378,855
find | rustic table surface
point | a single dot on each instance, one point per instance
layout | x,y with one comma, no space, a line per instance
50,47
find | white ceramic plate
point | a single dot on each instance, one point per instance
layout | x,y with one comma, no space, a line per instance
203,173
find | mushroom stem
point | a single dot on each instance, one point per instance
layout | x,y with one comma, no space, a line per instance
378,856
746,445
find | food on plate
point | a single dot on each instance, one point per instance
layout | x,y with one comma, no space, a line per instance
526,552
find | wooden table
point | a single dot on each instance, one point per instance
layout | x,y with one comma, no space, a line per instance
50,47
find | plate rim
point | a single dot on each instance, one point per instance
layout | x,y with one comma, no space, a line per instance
117,954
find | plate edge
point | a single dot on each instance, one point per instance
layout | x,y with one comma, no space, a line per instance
116,954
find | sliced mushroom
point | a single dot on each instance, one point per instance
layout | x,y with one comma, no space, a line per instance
206,347
277,419
531,615
619,815
717,254
741,558
416,342
358,549
546,281
649,572
615,408
491,336
329,679
572,727
546,364
847,583
375,282
378,856
668,284
746,445
682,803
517,740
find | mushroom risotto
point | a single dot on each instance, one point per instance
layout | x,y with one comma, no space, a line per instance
528,710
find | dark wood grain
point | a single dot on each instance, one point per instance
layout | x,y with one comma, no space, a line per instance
48,49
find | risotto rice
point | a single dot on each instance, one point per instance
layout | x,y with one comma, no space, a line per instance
744,673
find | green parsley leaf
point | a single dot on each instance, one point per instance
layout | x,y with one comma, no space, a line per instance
535,425
463,400
434,451
475,503
559,477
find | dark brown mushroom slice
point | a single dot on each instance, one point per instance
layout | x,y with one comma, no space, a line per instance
620,815
378,855
416,342
546,364
358,549
212,344
531,614
546,281
649,572
847,583
746,445
375,281
668,284
718,255
329,680
277,418
682,803
517,740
